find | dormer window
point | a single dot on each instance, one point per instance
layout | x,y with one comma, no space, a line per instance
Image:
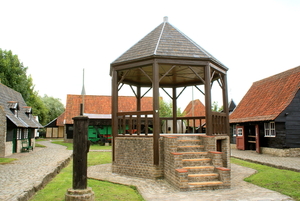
28,111
14,107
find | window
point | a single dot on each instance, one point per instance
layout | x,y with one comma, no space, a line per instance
270,129
234,130
25,133
240,132
18,134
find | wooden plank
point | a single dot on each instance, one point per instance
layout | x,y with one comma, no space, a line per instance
60,131
55,132
182,62
49,132
133,65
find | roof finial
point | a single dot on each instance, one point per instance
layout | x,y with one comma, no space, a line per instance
166,19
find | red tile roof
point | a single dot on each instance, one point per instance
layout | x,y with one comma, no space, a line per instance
199,110
267,98
102,105
60,119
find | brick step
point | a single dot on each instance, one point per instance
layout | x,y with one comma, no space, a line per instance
196,161
206,183
203,177
187,137
189,142
191,155
202,169
190,148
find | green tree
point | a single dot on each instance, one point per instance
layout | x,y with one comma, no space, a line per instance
215,107
38,108
13,74
165,109
54,107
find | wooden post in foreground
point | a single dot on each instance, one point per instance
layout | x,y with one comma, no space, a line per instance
81,145
80,151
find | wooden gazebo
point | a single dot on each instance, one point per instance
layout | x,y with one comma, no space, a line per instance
165,58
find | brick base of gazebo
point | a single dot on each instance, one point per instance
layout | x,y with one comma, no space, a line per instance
188,162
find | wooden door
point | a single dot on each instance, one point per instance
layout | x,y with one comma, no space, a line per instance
60,131
240,137
55,132
15,141
257,138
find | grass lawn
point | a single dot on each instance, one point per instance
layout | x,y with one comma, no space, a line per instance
92,147
6,160
56,189
39,145
283,181
98,147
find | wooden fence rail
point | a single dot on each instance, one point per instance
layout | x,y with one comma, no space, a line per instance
219,123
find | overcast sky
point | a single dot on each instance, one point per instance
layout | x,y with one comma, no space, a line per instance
57,39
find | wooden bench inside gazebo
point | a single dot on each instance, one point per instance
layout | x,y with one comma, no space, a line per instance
168,59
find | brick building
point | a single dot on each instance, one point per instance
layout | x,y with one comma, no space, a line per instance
16,122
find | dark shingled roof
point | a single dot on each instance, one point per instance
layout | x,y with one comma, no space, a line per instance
166,40
267,98
12,100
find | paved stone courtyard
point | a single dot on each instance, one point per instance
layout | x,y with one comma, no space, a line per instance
161,190
22,178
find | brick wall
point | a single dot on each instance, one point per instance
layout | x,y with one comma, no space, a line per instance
134,157
210,143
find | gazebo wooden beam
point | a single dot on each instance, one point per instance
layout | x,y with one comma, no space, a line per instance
208,112
114,107
225,103
174,102
156,122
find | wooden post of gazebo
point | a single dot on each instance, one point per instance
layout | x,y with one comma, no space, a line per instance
156,122
174,103
225,103
114,106
208,111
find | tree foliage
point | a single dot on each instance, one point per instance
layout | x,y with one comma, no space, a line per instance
54,107
165,109
13,74
215,107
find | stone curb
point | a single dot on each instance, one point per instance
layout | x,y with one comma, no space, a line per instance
41,184
268,164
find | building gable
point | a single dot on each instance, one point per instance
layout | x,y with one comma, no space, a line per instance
16,109
267,98
94,104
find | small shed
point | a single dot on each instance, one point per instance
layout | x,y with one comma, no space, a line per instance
268,117
98,109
